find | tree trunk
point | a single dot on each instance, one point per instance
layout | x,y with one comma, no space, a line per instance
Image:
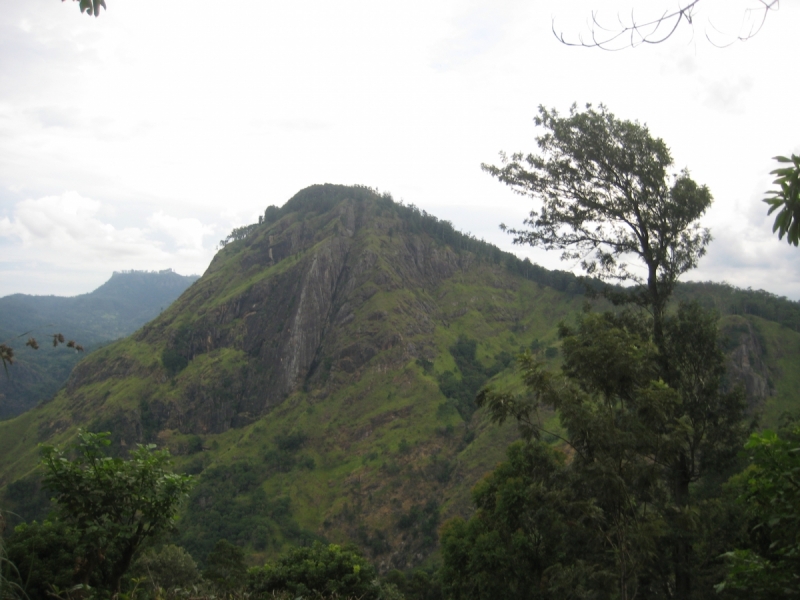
683,545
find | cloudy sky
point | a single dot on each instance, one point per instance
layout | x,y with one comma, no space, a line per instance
139,139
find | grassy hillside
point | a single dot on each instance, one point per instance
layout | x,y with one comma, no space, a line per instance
318,379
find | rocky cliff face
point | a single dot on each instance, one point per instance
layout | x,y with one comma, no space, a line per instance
746,364
303,318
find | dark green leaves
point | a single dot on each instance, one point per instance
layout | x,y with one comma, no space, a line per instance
786,199
605,191
604,196
771,493
114,504
91,7
320,569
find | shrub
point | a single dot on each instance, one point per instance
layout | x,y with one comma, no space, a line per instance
169,568
318,569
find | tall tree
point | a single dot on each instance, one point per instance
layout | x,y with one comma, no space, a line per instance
639,399
607,193
641,440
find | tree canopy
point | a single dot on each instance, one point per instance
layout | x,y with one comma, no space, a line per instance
607,193
770,491
643,440
112,503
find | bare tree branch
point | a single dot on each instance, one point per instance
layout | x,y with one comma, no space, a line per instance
629,33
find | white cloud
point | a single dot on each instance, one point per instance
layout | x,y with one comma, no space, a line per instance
69,233
69,223
188,233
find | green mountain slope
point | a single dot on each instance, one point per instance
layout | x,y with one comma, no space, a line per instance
117,308
319,377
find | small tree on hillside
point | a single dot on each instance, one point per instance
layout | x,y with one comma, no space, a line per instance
114,504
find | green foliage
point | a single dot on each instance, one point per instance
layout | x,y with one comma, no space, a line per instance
426,365
116,309
113,504
175,357
9,588
173,362
771,495
229,503
239,233
422,520
330,569
461,391
606,193
283,458
225,567
291,442
26,500
45,555
418,584
645,438
786,199
532,536
168,568
91,7
271,214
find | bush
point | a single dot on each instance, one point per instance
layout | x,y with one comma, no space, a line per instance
169,568
44,556
318,569
173,362
225,566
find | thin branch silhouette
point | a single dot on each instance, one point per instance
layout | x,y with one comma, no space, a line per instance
630,33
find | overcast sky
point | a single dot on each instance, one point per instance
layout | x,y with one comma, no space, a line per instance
139,139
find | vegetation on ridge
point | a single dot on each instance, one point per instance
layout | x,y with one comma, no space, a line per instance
316,382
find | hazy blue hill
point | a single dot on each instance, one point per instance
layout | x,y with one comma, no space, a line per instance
117,308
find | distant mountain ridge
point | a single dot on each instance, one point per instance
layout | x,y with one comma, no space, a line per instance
319,378
125,302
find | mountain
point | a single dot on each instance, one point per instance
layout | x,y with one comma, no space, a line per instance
319,378
117,308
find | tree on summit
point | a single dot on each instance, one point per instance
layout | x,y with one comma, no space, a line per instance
607,193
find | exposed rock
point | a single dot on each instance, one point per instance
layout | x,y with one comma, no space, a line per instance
745,365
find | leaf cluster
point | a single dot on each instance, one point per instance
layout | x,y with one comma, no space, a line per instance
319,568
786,199
113,504
91,7
767,566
